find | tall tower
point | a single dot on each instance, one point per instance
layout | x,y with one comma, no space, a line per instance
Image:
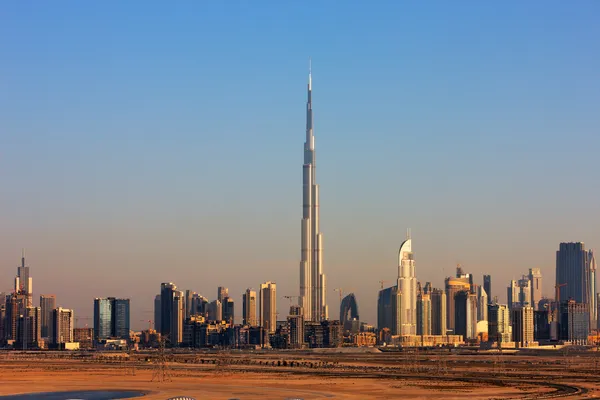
268,306
535,276
23,282
312,279
249,307
592,289
407,285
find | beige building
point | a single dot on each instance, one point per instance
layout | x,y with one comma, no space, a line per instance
177,316
249,307
63,325
268,306
522,325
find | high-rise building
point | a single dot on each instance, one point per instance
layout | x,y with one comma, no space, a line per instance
296,327
222,293
593,307
177,316
522,325
453,286
121,318
465,314
407,285
482,303
29,329
228,310
349,318
103,311
535,276
487,286
438,312
63,319
157,313
519,293
268,306
47,304
389,315
167,291
215,311
423,314
24,283
598,311
249,307
189,298
111,318
574,322
541,325
312,279
499,323
572,268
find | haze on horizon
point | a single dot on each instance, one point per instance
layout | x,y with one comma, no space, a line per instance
146,142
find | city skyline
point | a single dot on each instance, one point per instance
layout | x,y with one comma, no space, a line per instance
149,177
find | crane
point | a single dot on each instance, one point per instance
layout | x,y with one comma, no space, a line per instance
149,321
290,298
82,318
557,294
382,282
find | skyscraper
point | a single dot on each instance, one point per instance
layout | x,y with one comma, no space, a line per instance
438,312
453,286
24,283
312,279
296,327
522,325
63,325
592,290
228,310
215,310
120,318
268,306
423,314
103,309
482,303
499,323
167,291
389,307
465,314
111,318
535,276
487,286
222,292
47,304
157,311
177,316
572,268
407,285
249,307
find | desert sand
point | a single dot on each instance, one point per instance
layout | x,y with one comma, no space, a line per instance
339,376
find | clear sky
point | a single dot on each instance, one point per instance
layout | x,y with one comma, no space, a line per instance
143,142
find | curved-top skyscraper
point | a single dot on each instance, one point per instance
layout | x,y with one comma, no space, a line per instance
312,279
407,285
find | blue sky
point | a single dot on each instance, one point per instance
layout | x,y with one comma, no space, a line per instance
144,142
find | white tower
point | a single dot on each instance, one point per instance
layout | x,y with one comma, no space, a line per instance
407,284
312,279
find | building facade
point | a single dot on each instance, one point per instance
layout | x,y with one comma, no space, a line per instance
522,325
63,320
423,314
47,305
249,307
487,286
438,312
535,277
389,315
407,285
313,287
268,306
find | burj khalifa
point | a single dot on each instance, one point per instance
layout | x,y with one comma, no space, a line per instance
312,279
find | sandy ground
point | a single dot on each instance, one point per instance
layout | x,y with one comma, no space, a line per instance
27,377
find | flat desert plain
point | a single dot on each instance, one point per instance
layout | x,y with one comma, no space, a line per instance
302,376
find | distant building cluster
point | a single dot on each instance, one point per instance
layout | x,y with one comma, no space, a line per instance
465,312
409,313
